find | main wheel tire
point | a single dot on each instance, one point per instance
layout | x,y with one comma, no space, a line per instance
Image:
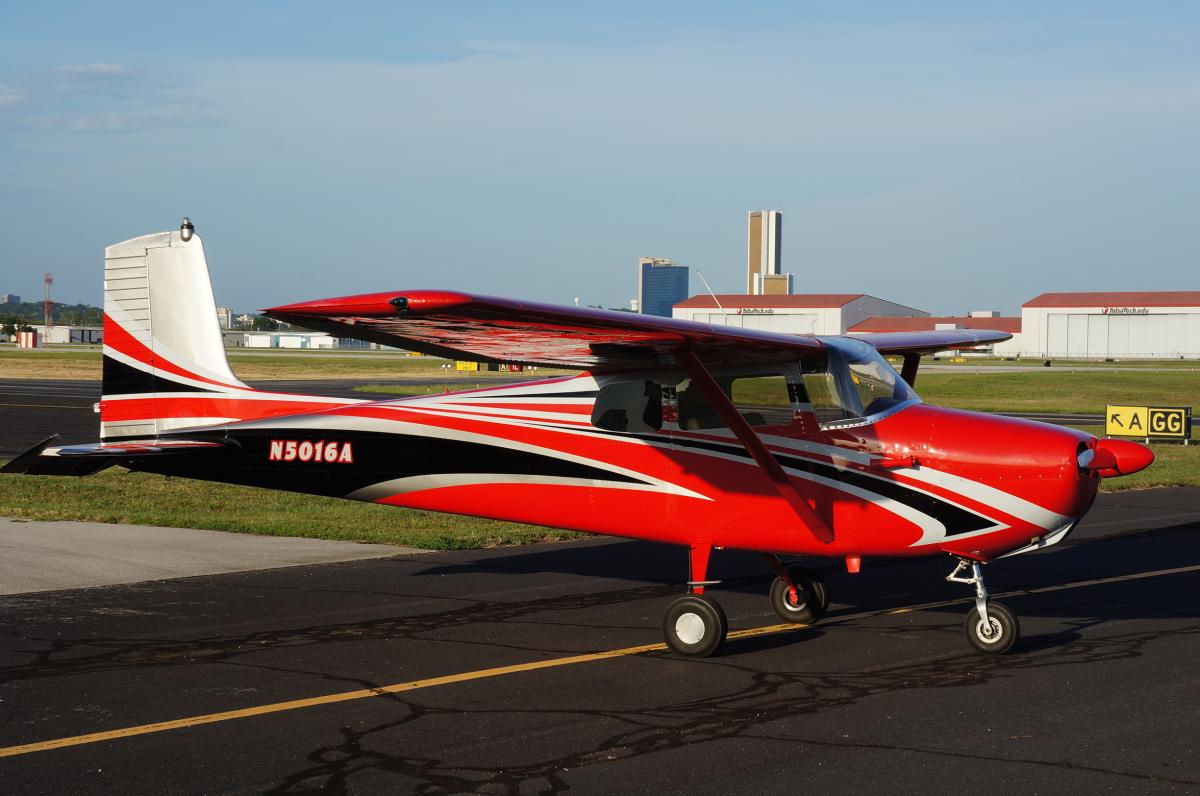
695,625
814,597
999,637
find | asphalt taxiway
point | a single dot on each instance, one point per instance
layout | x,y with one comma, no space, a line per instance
538,669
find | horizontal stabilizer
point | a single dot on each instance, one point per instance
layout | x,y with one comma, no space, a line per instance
44,459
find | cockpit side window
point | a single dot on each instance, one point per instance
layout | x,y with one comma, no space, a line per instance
850,380
634,405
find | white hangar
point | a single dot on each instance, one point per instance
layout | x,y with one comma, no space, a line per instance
812,313
1126,325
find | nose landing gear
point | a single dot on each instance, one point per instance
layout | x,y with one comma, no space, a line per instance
991,627
798,594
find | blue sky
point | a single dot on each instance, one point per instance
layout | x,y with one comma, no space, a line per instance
949,156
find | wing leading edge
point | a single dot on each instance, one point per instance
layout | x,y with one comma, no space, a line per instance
464,326
901,343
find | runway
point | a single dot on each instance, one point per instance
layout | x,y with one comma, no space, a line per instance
537,670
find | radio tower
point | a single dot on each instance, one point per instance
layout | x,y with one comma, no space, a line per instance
48,307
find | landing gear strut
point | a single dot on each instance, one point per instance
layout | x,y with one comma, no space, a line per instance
991,627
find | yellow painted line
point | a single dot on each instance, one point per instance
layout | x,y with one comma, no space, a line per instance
500,671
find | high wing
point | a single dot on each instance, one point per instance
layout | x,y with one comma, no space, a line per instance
464,326
900,343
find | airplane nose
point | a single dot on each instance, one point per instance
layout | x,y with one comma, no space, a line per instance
1114,457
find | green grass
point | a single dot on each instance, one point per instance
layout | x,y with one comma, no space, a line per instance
254,365
1050,391
1153,364
120,496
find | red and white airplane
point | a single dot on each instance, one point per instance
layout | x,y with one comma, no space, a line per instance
831,454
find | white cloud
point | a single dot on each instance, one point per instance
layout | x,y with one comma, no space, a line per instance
100,98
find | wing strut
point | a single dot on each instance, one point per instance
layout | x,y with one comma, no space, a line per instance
724,407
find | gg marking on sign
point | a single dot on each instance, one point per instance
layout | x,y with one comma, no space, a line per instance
1168,422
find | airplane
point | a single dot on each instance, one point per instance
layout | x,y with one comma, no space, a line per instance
705,436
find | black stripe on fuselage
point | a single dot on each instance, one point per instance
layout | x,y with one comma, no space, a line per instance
955,519
377,457
117,378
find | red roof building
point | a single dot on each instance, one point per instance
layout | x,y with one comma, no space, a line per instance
1137,298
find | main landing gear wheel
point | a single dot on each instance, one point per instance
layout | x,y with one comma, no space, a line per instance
998,634
695,626
810,601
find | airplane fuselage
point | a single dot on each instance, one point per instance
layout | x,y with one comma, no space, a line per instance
917,481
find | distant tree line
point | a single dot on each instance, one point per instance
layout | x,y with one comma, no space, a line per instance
31,313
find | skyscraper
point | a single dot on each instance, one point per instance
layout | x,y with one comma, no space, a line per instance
661,285
764,255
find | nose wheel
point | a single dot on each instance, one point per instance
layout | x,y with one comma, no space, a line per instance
991,626
799,595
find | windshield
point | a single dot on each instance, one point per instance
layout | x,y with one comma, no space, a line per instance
851,380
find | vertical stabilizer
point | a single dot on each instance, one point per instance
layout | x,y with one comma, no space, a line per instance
162,341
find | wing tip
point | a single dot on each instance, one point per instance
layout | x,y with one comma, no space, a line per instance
374,304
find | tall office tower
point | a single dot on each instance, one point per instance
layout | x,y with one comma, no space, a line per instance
764,255
661,285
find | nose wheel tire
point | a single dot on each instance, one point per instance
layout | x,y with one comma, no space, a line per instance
996,636
695,625
813,597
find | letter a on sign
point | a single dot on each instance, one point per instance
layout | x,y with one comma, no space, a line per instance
1126,421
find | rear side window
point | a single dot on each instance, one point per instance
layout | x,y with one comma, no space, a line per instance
628,406
763,400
